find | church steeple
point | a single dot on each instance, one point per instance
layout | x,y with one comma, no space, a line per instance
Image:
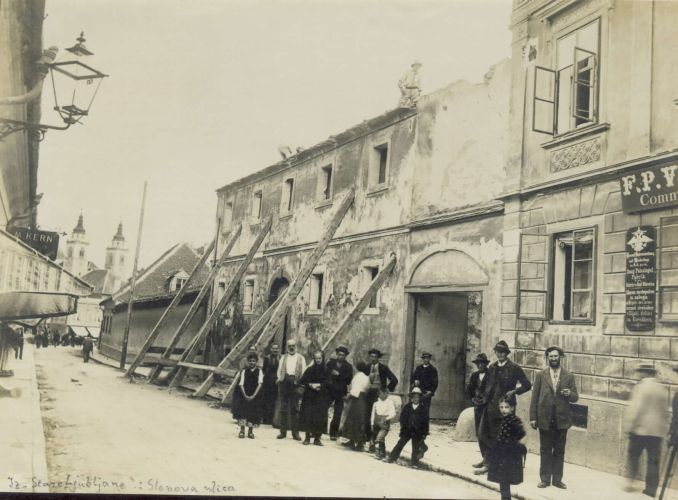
117,258
80,228
76,249
119,236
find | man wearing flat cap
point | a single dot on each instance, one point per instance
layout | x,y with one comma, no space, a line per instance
340,373
646,422
475,391
425,376
553,390
505,379
381,376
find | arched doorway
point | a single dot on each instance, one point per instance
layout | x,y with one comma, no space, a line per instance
444,318
278,286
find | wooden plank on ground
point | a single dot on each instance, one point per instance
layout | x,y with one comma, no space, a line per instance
158,360
155,331
233,237
364,301
189,354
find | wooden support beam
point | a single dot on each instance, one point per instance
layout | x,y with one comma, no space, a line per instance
229,391
189,354
155,331
192,311
364,301
158,360
241,346
306,269
214,369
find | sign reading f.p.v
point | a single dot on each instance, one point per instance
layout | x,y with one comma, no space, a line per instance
45,242
650,188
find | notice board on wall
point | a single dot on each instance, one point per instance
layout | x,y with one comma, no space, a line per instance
641,278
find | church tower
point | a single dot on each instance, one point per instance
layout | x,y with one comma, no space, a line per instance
76,250
117,258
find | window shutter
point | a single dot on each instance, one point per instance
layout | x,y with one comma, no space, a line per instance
532,291
668,269
544,102
584,106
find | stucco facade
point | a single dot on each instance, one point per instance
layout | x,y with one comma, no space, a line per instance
563,190
420,194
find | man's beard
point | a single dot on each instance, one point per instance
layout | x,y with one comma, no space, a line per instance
554,364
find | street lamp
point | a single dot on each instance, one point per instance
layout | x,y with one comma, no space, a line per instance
74,84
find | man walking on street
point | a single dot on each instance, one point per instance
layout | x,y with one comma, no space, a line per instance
87,347
19,350
505,379
290,369
553,390
647,424
475,391
425,376
340,374
380,376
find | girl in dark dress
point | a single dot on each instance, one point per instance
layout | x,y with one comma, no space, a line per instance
314,404
507,454
246,400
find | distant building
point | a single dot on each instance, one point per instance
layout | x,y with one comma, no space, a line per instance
155,288
117,259
76,250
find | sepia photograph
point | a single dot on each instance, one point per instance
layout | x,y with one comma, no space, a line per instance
339,249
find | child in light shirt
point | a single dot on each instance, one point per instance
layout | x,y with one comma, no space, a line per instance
383,413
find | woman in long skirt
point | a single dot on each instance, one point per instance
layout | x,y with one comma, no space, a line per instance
246,401
314,404
353,426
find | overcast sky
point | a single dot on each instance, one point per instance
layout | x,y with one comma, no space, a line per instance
202,92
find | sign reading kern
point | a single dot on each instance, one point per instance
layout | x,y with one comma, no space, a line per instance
45,242
653,187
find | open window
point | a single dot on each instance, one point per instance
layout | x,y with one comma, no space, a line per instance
256,205
566,98
325,178
574,276
316,296
287,200
379,166
532,291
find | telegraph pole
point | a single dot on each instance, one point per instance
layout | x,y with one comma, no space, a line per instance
123,353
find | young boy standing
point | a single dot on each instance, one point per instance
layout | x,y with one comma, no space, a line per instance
414,420
383,413
246,401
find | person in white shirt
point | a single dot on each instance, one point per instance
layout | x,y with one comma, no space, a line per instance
290,369
383,413
353,419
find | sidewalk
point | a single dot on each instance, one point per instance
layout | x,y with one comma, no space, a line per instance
23,455
456,458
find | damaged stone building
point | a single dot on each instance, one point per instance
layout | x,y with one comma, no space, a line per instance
426,182
590,227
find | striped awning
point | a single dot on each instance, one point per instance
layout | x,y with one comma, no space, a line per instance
35,305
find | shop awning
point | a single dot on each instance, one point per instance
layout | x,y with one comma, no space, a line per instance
35,305
80,331
94,330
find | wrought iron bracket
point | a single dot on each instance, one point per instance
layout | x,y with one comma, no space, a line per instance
8,127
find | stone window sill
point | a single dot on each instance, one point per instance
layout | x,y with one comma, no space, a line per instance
376,190
324,204
371,311
286,215
575,134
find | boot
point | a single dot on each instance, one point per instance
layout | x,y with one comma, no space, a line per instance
250,433
382,450
296,436
282,435
242,432
317,442
308,439
372,447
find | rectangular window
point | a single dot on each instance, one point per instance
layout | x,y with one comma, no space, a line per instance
256,205
325,183
287,196
573,276
369,273
668,269
248,295
316,295
382,153
227,216
566,98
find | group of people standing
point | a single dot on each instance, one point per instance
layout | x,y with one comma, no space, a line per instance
284,391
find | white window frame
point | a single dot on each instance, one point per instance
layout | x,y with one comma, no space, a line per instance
374,165
322,291
367,276
250,283
257,193
287,197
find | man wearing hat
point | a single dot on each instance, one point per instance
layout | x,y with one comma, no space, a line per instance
425,376
646,421
553,391
475,391
381,376
505,379
410,87
340,373
413,425
290,369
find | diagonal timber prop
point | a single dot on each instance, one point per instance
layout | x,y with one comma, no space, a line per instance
192,311
175,302
240,347
190,353
364,301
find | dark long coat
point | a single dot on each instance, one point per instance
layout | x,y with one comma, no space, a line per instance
337,385
314,404
547,402
414,423
505,457
427,377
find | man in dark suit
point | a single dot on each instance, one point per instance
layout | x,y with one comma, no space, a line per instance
340,374
413,425
425,376
505,379
382,377
475,391
270,388
553,391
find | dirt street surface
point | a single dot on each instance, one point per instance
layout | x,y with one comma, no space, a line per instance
106,435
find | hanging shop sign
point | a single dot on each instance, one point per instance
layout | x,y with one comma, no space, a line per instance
641,278
650,188
45,242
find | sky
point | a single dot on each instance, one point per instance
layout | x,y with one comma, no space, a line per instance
202,92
